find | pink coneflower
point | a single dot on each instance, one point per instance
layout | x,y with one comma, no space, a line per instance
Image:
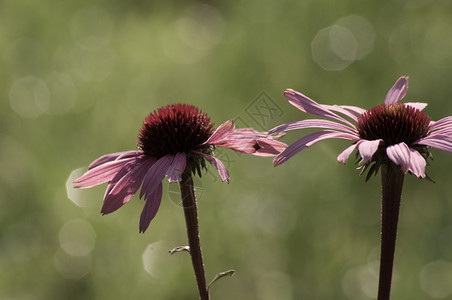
392,136
400,132
173,139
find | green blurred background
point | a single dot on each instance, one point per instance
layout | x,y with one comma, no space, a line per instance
77,79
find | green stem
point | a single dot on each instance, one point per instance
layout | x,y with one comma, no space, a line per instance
191,220
392,184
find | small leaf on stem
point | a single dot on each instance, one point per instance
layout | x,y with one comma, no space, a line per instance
220,275
179,249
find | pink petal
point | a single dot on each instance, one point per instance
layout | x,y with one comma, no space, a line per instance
341,109
398,91
309,106
113,156
442,123
357,110
417,164
346,153
150,207
417,105
156,174
222,132
400,155
177,168
247,133
313,123
126,187
309,140
243,146
126,169
439,141
368,148
222,171
269,147
101,173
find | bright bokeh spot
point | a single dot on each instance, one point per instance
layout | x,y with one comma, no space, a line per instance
29,97
77,237
334,48
76,195
436,278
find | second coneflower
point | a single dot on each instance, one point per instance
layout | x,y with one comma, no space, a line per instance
392,136
174,142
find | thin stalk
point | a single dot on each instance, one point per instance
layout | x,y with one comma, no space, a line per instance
392,184
191,220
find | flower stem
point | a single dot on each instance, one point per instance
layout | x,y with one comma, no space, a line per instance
191,220
392,184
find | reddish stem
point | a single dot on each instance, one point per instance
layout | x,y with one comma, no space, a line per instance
392,184
191,220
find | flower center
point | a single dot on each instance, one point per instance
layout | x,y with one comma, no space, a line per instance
174,128
393,123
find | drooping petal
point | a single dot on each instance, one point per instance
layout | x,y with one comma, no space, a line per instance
398,91
343,157
111,184
222,171
309,106
400,155
441,123
368,148
101,173
309,140
177,167
126,187
417,164
269,147
247,133
150,207
222,132
155,174
356,110
417,105
113,156
439,141
242,146
313,123
351,113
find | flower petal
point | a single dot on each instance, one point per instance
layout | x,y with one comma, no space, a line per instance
350,111
346,153
242,146
269,147
313,123
417,164
309,140
441,123
101,173
124,189
417,105
438,141
155,175
368,148
309,106
113,156
177,168
356,110
400,155
398,91
222,132
150,207
222,171
247,133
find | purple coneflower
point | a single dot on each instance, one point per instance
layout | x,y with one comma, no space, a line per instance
174,141
394,136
